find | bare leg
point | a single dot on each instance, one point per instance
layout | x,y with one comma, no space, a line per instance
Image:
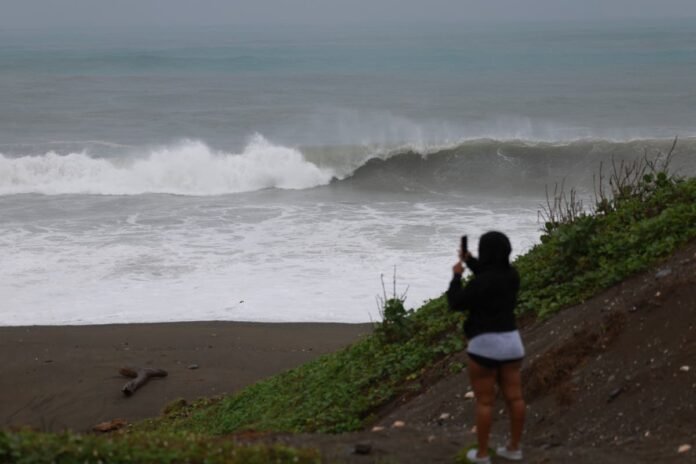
483,383
511,386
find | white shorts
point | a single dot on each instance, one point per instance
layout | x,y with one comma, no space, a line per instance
500,346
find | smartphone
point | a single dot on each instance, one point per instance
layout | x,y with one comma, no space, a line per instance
464,245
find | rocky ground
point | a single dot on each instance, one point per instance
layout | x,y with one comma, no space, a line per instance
612,380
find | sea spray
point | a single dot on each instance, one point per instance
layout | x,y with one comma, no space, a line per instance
188,168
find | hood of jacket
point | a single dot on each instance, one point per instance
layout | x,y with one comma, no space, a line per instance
494,250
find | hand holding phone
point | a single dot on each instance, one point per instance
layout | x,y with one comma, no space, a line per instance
464,249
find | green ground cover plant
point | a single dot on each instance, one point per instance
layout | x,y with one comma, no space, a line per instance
29,447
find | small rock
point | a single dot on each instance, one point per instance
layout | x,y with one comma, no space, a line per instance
663,273
469,395
193,366
377,428
614,394
444,416
684,368
431,438
473,429
553,444
398,424
658,293
362,448
685,448
646,434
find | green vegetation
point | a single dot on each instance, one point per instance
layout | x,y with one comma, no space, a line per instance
646,215
28,447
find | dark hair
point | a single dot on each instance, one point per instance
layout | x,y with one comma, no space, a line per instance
494,250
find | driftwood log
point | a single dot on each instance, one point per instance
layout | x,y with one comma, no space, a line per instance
140,377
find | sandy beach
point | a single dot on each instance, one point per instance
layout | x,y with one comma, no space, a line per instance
57,378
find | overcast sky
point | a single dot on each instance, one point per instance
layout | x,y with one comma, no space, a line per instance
72,13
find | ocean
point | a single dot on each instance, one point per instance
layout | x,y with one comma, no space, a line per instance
281,173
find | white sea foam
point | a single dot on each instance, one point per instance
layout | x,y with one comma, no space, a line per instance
189,168
179,258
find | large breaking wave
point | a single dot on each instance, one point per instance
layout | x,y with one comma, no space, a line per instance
511,167
189,168
193,168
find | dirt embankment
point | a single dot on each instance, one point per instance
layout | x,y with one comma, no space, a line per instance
612,380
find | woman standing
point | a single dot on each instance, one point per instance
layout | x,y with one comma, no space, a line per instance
495,348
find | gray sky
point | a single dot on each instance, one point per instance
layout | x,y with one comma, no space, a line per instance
97,13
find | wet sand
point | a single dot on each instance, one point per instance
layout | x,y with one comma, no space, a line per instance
57,378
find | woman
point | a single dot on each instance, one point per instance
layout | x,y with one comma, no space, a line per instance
495,348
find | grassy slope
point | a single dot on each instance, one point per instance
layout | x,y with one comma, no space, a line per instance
342,391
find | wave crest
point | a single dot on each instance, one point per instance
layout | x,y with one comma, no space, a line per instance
192,168
189,168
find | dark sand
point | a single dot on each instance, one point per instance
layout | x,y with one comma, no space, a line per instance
55,378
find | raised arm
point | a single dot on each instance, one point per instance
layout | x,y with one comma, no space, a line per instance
459,298
473,264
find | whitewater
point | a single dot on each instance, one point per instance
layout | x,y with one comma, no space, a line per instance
260,175
186,233
190,168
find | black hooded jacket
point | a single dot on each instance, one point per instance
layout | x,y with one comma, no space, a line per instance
490,296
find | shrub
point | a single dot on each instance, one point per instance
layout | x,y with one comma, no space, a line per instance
396,325
644,214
